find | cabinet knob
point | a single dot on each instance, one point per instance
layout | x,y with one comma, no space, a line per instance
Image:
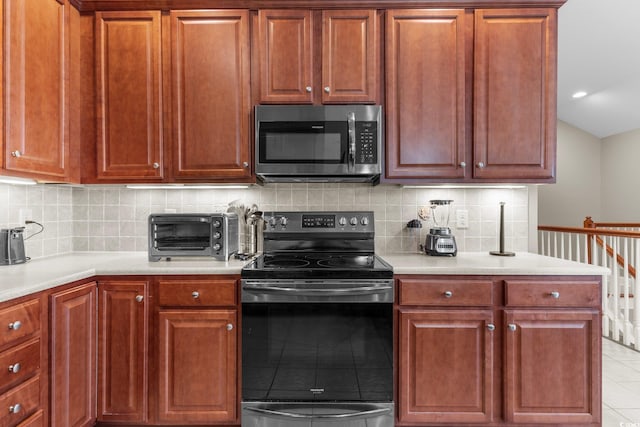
481,165
15,325
491,327
15,368
16,153
555,294
448,294
14,409
156,165
229,327
245,164
512,327
327,89
139,298
463,164
195,294
308,89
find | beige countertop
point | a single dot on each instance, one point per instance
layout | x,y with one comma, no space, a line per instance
45,273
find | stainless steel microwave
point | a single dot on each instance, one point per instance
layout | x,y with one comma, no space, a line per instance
329,143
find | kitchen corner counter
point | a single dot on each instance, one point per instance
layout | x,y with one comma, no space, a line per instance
481,263
45,273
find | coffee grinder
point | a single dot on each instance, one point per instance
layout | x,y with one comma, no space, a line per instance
440,241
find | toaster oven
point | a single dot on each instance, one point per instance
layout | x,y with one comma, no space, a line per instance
212,235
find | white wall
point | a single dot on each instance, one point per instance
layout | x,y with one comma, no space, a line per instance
621,177
577,191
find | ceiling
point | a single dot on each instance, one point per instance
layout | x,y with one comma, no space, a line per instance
599,53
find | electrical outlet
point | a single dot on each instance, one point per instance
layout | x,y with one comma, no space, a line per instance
24,214
462,218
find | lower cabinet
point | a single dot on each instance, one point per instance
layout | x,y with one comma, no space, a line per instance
462,340
73,356
122,350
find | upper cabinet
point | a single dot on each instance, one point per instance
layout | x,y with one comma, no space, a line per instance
515,94
489,116
35,94
128,95
427,89
298,66
173,97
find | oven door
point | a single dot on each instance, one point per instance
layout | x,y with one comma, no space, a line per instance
311,347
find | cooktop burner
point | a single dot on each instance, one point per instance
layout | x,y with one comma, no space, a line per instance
286,262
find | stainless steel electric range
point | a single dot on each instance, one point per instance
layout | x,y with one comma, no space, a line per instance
317,321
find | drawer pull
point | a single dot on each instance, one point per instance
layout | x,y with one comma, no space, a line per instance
448,294
229,327
491,327
15,368
195,294
555,294
139,298
14,409
512,327
15,325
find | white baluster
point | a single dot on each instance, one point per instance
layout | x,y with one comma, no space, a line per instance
570,257
562,237
625,265
616,290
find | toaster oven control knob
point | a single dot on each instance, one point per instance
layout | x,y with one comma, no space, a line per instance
354,221
342,221
216,224
364,221
217,235
272,221
283,221
217,247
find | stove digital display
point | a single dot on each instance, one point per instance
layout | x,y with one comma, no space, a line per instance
318,221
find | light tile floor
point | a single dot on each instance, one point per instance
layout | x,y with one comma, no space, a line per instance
620,385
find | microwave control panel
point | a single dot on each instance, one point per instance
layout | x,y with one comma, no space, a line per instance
366,142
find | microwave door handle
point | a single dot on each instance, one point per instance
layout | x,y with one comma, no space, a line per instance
351,123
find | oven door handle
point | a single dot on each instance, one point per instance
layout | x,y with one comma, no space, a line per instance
362,414
320,291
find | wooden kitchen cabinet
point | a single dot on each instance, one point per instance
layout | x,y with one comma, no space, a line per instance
35,92
128,96
503,350
122,350
197,350
340,66
73,356
514,134
427,61
210,67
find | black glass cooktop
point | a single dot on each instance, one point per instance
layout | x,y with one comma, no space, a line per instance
318,265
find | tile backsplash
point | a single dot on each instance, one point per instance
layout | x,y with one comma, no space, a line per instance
114,218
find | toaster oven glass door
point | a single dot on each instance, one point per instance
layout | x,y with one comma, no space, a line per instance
183,235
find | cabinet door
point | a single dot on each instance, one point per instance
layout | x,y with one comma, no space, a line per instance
446,366
129,108
285,38
36,101
73,356
211,96
426,89
198,368
553,366
515,94
122,351
350,52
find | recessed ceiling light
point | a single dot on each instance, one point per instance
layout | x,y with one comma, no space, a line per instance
580,94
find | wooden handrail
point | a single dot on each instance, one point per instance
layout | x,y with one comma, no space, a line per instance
588,223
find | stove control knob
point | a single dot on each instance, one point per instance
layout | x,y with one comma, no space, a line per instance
272,221
354,221
364,221
217,247
283,221
342,221
216,224
217,235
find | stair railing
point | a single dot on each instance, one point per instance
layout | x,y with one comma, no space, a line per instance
612,245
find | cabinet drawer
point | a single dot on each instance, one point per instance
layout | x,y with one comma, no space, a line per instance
19,363
20,402
446,292
550,293
19,321
197,293
36,420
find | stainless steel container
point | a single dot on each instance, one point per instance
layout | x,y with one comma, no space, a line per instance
12,246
